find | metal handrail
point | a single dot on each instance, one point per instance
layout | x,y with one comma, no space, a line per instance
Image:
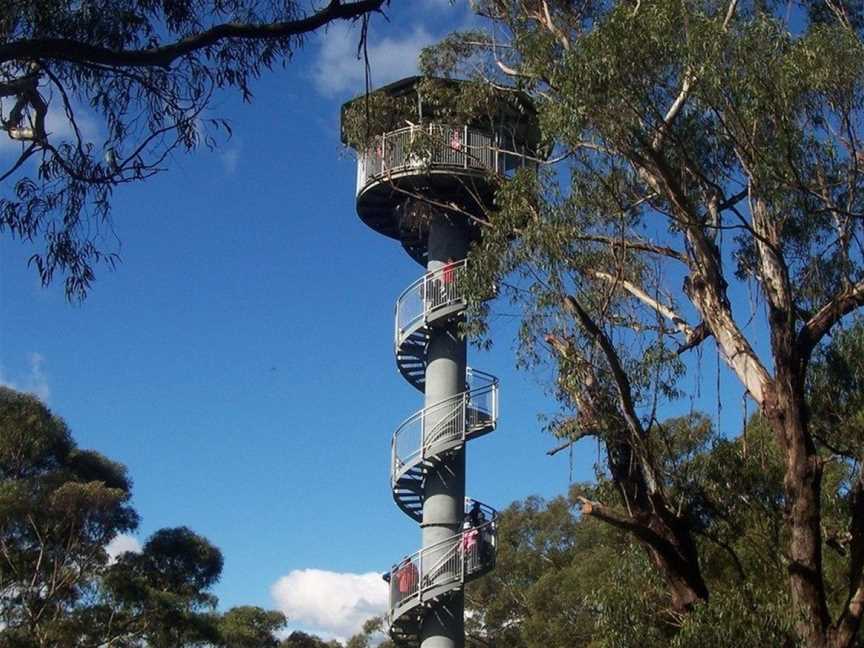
451,147
426,435
447,561
434,290
452,419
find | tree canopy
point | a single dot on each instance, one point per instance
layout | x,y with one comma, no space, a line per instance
60,507
705,191
145,71
564,579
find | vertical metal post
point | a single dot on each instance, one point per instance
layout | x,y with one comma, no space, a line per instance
444,497
465,148
497,144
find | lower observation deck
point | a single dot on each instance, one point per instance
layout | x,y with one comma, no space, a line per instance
421,580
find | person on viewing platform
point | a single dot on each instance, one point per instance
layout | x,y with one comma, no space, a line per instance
448,277
449,271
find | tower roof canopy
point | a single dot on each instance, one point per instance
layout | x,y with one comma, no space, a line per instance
423,99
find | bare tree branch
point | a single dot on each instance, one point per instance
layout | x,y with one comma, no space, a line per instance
649,301
563,446
638,245
66,49
827,316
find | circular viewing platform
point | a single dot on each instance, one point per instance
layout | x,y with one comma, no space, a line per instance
433,149
444,163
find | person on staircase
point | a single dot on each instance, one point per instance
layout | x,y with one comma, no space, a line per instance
406,579
472,537
470,548
475,515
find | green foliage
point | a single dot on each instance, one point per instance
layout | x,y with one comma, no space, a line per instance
371,635
706,169
566,581
630,609
145,71
59,507
739,618
250,627
837,393
298,639
548,563
164,589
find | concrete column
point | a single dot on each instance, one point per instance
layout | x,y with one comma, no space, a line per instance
443,507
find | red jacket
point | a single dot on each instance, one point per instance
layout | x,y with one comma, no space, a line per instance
406,576
448,272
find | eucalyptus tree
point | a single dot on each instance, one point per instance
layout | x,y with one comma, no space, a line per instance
703,191
250,627
144,72
60,507
300,639
373,633
566,580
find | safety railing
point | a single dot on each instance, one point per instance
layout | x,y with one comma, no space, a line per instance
430,146
451,420
433,291
452,560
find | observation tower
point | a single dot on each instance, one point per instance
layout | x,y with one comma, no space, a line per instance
425,177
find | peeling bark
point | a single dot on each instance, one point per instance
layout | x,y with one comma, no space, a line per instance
706,286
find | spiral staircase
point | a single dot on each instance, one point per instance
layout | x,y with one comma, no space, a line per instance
419,581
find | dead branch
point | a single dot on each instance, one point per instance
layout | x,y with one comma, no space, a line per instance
578,437
649,301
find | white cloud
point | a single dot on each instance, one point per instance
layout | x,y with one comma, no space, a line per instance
5,381
34,382
330,603
338,70
230,158
38,380
121,544
231,155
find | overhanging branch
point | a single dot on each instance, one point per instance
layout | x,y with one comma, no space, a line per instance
66,49
622,382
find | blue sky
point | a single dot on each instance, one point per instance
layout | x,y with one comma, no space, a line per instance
239,360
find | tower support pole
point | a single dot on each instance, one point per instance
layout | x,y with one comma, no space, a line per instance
444,497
